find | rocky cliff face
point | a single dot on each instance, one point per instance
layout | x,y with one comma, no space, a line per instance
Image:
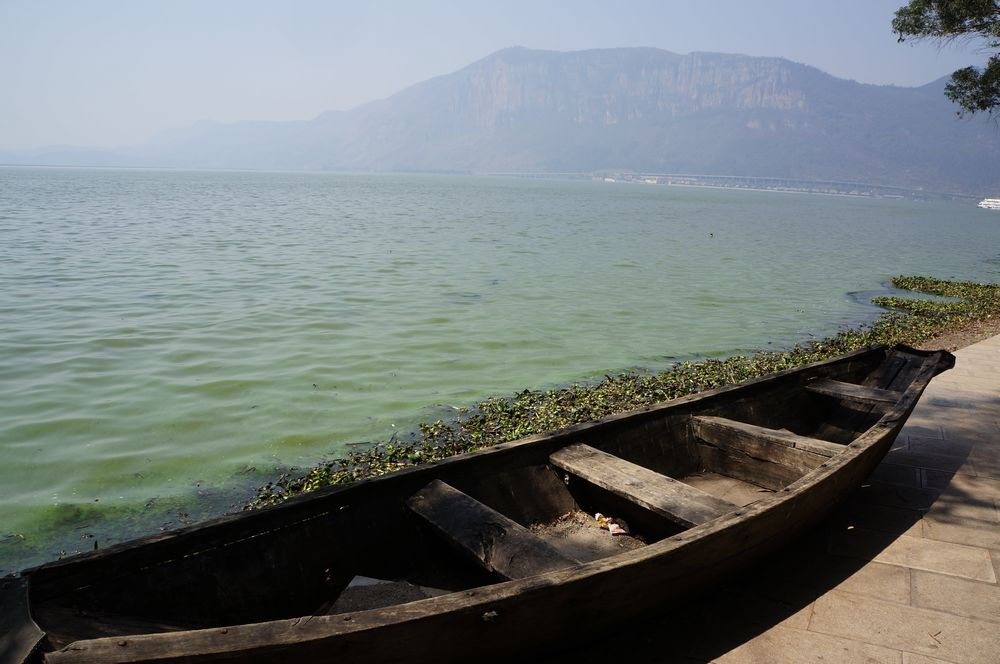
621,85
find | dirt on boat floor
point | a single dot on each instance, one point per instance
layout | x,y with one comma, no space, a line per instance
966,336
579,536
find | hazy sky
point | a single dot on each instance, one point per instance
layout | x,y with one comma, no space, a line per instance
106,73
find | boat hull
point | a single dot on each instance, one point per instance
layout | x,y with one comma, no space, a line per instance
535,612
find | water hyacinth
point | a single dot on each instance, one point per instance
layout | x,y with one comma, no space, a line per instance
497,419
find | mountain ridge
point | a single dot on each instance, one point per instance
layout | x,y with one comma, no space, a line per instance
635,109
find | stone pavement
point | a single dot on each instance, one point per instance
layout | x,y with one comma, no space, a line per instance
906,573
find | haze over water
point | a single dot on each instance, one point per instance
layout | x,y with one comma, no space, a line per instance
169,340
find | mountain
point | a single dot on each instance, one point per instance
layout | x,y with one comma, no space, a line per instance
638,109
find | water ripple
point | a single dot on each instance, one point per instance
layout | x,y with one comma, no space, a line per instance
168,339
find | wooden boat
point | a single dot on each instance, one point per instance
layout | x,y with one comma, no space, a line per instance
492,551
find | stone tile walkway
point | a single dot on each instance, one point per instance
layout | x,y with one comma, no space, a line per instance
906,573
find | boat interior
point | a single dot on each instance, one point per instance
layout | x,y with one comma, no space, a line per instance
512,512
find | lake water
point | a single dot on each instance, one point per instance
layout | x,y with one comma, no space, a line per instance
169,340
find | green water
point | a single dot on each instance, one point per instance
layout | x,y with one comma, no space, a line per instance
169,340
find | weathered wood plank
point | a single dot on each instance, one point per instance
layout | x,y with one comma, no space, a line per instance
906,375
496,542
674,500
886,372
852,392
784,447
773,476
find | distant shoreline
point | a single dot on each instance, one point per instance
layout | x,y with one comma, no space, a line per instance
782,191
780,185
594,176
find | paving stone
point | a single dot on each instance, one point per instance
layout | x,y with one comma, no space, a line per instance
981,371
929,420
966,400
917,630
975,397
887,582
951,447
923,427
798,580
979,429
775,602
974,487
892,495
768,611
987,452
979,406
950,532
960,508
706,629
910,658
915,552
896,474
947,463
973,355
881,518
986,464
964,384
979,349
783,645
958,596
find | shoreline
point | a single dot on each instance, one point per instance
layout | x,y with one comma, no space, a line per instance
953,340
948,324
972,315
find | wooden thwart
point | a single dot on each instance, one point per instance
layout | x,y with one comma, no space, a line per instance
852,392
496,542
658,493
784,447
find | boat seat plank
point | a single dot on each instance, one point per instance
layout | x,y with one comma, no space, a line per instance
852,392
670,498
779,446
499,544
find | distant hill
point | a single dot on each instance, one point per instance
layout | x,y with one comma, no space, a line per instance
638,109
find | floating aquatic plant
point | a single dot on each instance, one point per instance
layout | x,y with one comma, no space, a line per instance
499,419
